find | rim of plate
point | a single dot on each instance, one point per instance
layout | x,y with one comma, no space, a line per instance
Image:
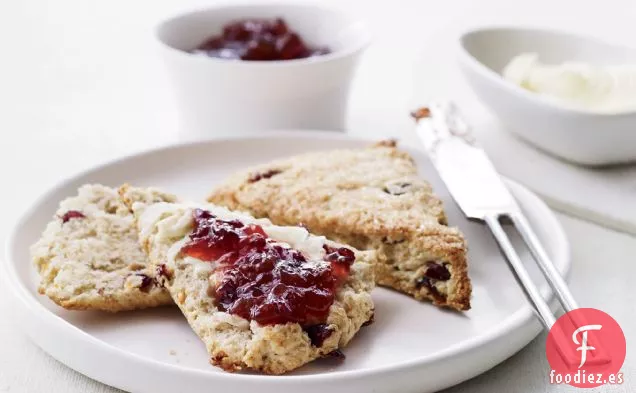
519,318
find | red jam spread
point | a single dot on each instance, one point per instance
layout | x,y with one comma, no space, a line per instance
262,280
258,39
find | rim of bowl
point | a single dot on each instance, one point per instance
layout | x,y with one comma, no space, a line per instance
548,104
347,51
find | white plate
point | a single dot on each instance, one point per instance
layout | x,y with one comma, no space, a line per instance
412,346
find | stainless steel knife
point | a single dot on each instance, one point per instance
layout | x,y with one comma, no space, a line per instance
481,194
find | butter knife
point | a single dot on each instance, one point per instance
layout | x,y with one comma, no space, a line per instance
481,195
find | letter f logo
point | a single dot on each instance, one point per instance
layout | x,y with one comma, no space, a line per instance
584,348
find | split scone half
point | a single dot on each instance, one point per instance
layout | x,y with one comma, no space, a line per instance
89,256
260,296
371,199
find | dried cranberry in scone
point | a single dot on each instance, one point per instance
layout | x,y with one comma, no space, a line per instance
71,214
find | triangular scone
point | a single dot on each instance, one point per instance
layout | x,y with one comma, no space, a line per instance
89,256
371,199
259,296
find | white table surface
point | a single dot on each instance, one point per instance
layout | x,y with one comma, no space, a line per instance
80,84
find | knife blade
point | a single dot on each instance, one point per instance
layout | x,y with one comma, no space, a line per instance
464,167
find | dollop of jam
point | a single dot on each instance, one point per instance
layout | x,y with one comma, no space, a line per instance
261,280
258,39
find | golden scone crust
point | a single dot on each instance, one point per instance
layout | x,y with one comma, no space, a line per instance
235,343
94,261
369,198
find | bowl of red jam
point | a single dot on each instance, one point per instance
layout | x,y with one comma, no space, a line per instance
258,40
245,68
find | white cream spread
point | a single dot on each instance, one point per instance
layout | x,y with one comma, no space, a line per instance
593,88
177,225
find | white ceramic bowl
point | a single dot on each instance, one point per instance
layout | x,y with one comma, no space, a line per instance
220,97
573,135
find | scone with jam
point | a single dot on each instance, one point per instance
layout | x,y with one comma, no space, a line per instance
260,296
89,256
371,199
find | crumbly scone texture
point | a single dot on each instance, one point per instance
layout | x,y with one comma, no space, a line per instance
369,198
233,342
95,262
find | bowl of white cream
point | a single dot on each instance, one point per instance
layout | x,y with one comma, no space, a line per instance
589,87
571,96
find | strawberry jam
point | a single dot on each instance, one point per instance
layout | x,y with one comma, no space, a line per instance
257,39
261,280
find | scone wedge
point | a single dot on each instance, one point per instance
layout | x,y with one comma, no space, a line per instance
260,296
371,199
89,256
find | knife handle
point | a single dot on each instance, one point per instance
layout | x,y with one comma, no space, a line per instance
552,276
521,274
548,269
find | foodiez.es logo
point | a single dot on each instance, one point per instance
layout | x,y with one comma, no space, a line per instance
586,348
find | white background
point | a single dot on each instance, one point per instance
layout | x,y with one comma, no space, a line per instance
80,83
